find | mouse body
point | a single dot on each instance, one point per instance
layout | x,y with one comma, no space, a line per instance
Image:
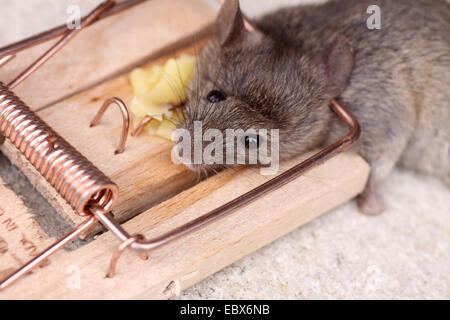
395,80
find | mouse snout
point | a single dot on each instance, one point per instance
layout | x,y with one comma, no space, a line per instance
192,150
210,150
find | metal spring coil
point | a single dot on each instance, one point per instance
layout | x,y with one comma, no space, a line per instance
74,177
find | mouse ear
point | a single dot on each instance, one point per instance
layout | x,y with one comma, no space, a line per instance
336,61
230,27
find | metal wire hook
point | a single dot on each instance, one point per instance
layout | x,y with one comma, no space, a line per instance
125,117
141,126
120,249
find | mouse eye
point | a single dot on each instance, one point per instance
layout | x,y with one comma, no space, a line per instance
252,141
215,96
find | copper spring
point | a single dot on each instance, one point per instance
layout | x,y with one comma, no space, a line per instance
75,178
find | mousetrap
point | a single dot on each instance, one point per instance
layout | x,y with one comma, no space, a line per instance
169,229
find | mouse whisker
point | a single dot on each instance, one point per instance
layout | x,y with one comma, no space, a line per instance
171,81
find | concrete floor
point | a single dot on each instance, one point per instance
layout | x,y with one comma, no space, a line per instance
402,254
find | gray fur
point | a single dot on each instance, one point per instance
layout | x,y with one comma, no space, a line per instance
399,88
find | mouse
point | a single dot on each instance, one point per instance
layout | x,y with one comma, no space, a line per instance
283,71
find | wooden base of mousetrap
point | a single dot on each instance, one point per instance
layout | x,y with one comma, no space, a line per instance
80,274
161,194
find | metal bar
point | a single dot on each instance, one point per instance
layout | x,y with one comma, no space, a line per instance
61,43
125,120
73,234
4,60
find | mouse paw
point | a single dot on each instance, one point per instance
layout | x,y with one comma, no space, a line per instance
370,203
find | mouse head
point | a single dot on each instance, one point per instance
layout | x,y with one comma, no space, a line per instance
246,80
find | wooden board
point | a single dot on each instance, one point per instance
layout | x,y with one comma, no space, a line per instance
21,237
144,173
109,47
184,262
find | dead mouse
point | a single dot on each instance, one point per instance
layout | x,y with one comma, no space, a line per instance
395,80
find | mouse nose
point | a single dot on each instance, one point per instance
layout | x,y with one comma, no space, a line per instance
191,155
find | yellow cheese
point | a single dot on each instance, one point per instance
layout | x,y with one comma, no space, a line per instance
159,88
166,129
143,81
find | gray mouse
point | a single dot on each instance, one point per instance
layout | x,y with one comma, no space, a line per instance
395,80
